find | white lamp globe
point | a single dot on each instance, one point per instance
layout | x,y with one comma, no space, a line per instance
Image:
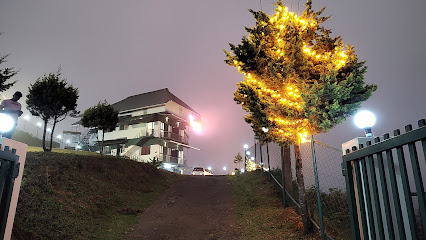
6,123
364,119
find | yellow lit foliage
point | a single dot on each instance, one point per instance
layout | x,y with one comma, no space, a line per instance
286,61
251,166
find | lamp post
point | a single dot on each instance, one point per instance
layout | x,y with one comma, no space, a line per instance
38,126
365,120
59,137
26,118
245,155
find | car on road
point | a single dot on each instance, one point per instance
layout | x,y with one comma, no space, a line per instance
201,171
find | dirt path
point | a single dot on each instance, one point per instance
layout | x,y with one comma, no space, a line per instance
196,207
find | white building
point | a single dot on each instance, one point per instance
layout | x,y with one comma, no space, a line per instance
152,125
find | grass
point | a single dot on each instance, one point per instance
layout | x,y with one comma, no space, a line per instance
30,140
67,194
260,211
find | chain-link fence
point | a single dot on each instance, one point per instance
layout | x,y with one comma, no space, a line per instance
323,180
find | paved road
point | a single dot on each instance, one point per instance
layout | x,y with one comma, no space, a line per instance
196,207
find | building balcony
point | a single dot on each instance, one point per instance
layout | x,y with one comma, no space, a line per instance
164,135
171,159
174,136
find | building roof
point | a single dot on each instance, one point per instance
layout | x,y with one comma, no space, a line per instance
161,96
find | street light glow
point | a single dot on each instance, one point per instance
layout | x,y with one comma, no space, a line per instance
364,119
39,124
245,146
252,158
224,168
167,166
209,168
59,137
265,130
27,117
248,152
6,123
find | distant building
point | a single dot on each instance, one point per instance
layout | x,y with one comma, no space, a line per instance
152,126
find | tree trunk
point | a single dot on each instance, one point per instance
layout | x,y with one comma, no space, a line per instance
51,135
44,136
307,224
288,177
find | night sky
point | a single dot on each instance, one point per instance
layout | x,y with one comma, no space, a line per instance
114,49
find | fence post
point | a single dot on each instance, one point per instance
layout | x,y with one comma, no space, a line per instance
269,164
261,157
283,175
314,160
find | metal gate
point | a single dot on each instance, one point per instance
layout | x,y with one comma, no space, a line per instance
9,169
384,182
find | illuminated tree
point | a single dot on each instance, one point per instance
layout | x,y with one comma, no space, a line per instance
298,80
52,99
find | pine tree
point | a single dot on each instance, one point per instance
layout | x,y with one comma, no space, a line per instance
238,159
6,74
298,80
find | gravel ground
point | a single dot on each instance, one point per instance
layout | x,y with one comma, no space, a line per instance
196,207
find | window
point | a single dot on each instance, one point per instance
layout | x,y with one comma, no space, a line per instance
138,125
124,127
145,150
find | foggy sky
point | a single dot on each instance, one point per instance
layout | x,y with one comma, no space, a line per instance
114,49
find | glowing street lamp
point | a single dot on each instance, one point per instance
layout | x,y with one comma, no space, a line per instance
6,123
27,117
209,168
224,168
365,120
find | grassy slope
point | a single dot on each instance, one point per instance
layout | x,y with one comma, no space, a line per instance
30,140
80,195
260,212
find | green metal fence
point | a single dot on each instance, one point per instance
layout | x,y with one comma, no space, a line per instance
385,183
9,169
325,185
